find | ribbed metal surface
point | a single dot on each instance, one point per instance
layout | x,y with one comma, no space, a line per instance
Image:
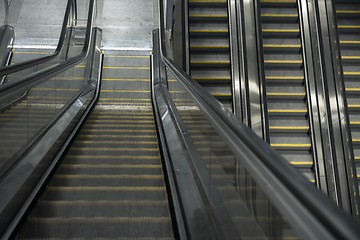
209,47
110,184
348,18
285,84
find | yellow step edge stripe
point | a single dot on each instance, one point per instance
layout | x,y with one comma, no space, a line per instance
102,202
127,67
282,15
349,42
207,1
352,89
124,56
210,62
127,79
348,27
209,30
350,57
41,53
281,30
210,46
125,176
107,188
290,145
284,77
288,110
122,125
289,127
286,94
353,105
124,99
76,220
278,1
124,91
115,142
209,15
212,78
282,46
351,73
284,61
145,157
147,166
301,163
348,11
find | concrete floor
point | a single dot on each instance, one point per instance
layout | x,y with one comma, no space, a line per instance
126,24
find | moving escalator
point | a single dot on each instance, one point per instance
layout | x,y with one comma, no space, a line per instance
141,159
110,183
209,48
286,93
348,20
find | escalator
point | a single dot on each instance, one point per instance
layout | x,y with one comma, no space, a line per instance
348,20
286,94
145,157
210,48
110,183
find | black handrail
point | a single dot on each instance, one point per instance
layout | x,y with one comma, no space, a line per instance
13,89
6,70
319,215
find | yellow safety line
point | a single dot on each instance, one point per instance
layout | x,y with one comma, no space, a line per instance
119,130
285,15
147,166
127,67
288,110
284,61
123,176
284,77
348,27
301,163
59,220
290,145
282,46
349,42
209,46
209,31
289,127
107,188
124,91
353,105
352,89
286,94
54,89
127,79
207,1
209,15
210,62
119,56
281,30
350,57
351,73
116,142
278,1
124,99
348,11
16,52
144,157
